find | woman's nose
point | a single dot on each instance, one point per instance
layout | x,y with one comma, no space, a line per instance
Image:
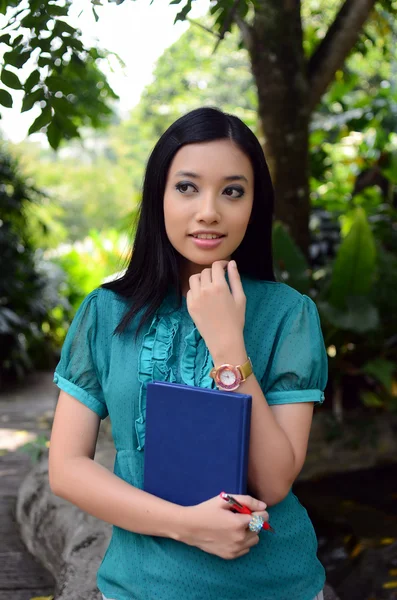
208,210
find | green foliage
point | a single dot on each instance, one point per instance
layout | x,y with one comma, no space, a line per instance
6,99
40,291
87,264
36,449
10,79
382,370
357,315
355,296
32,307
353,149
353,269
65,80
353,139
90,187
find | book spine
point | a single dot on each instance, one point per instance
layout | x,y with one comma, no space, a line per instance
244,444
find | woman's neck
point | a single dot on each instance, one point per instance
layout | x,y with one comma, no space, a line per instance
187,270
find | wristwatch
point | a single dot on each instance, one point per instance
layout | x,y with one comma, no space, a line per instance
229,377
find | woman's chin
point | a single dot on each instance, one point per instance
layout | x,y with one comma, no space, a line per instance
204,262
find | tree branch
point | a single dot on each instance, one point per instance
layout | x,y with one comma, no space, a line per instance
332,51
207,29
245,30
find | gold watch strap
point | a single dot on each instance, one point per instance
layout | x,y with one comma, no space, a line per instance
245,369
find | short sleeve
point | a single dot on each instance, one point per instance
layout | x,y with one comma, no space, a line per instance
299,367
76,372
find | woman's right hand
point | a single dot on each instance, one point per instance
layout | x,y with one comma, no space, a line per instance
214,528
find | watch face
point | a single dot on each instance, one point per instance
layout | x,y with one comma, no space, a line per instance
228,378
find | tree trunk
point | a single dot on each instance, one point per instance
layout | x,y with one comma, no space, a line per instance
279,68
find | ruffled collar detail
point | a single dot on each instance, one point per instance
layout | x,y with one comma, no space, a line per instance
157,358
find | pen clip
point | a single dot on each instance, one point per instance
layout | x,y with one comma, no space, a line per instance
232,501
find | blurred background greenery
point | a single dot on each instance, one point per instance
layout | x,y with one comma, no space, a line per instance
67,208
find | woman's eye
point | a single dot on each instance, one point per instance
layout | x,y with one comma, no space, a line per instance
234,192
184,187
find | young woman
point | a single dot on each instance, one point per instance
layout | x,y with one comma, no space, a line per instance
199,292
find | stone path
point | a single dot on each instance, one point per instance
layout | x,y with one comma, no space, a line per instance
25,413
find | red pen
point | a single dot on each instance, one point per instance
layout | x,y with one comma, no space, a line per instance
240,508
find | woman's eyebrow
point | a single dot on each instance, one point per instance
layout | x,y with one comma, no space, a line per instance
187,174
196,176
236,177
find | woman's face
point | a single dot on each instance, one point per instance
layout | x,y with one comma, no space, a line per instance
208,202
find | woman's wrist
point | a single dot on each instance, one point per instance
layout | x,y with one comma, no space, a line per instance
181,525
233,352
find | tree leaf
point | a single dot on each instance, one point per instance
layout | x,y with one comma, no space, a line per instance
66,125
30,99
382,370
5,98
354,265
56,11
10,79
5,39
183,13
76,64
370,399
16,58
42,120
22,58
74,43
58,84
359,315
54,134
43,44
63,106
62,28
32,80
44,61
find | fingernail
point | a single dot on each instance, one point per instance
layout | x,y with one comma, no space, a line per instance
233,264
262,505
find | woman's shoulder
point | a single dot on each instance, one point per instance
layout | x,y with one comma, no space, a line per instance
107,304
272,298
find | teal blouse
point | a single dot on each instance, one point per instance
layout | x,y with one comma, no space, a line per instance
109,373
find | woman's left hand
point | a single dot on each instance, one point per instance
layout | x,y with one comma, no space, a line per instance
218,313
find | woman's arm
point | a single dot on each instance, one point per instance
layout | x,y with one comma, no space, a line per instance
76,477
279,436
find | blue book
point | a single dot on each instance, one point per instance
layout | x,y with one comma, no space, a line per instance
196,442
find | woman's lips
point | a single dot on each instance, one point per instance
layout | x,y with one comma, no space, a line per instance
207,244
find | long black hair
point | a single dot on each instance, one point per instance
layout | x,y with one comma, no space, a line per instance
154,265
